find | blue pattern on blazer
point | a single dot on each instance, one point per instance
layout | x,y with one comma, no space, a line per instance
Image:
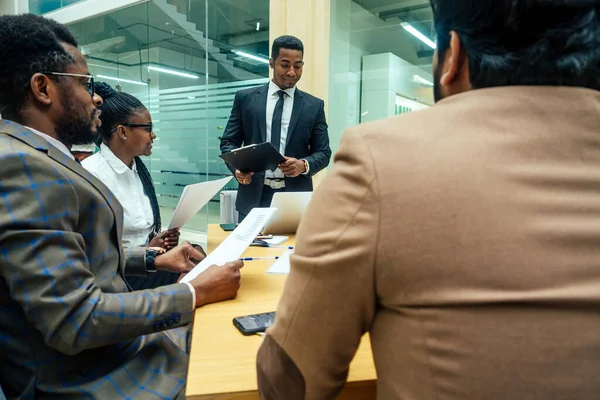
69,326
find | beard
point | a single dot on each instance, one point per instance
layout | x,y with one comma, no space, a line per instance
76,128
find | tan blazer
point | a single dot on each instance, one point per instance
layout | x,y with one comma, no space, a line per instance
69,328
466,240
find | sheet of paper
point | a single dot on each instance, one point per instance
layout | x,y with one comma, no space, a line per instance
275,240
282,265
193,198
236,243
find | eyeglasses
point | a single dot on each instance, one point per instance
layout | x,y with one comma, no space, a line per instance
89,84
148,127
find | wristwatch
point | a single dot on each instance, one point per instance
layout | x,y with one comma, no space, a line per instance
150,258
305,166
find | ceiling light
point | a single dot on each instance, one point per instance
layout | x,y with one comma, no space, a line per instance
112,78
258,25
251,56
424,81
411,29
172,72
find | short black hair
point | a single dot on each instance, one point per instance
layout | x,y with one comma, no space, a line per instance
524,42
286,42
28,44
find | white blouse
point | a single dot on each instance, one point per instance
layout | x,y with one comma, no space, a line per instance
126,184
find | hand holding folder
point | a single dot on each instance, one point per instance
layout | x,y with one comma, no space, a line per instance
254,158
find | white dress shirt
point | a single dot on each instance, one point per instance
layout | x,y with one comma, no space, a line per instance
288,105
125,183
54,142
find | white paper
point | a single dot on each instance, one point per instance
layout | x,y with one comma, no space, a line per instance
275,240
193,198
236,243
282,265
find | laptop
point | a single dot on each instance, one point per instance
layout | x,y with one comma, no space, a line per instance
290,208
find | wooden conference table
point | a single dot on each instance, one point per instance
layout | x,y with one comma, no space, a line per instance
223,361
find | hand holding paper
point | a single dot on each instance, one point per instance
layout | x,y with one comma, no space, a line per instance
217,283
236,243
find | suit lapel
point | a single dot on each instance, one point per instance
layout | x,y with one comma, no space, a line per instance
75,167
261,110
296,111
35,141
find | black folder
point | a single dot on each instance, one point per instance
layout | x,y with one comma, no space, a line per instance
254,158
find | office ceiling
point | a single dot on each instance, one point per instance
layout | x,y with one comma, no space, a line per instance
376,28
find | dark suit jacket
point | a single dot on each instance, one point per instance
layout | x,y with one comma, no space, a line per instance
307,138
69,328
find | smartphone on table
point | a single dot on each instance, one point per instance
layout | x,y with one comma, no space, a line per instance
255,323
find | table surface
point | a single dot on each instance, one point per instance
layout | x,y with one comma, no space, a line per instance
223,361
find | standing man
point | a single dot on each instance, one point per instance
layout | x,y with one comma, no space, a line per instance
69,325
291,120
464,238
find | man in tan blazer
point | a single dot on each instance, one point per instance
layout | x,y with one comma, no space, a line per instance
465,238
70,328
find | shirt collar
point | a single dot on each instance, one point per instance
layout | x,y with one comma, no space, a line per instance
54,142
273,88
115,162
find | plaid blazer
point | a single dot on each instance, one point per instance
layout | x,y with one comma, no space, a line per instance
69,326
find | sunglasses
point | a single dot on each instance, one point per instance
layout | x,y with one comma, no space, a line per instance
148,127
89,84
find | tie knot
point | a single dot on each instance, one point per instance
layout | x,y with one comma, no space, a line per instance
280,93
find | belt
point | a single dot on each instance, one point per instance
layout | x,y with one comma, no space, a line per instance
275,183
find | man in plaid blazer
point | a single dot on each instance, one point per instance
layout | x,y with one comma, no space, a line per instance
69,326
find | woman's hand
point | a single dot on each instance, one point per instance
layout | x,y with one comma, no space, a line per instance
167,239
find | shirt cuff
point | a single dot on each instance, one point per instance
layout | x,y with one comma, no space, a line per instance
193,294
307,168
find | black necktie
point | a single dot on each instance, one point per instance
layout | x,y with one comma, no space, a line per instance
276,123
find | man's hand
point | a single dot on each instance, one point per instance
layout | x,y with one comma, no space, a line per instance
181,259
292,167
167,240
244,178
217,283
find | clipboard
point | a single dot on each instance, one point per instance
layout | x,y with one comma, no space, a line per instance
254,158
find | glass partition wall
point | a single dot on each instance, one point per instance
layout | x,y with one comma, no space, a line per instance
184,59
380,61
45,6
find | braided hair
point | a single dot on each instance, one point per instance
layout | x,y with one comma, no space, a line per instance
117,108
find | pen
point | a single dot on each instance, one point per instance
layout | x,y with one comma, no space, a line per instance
272,246
258,258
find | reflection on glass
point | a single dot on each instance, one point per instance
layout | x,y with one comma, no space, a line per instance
45,6
381,55
184,60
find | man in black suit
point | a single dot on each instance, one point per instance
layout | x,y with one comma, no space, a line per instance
292,120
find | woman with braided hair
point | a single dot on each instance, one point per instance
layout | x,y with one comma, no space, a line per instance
127,133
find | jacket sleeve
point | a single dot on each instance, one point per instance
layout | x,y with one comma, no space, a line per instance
233,137
329,298
136,261
44,264
320,152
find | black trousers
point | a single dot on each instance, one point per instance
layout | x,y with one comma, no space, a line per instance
265,199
